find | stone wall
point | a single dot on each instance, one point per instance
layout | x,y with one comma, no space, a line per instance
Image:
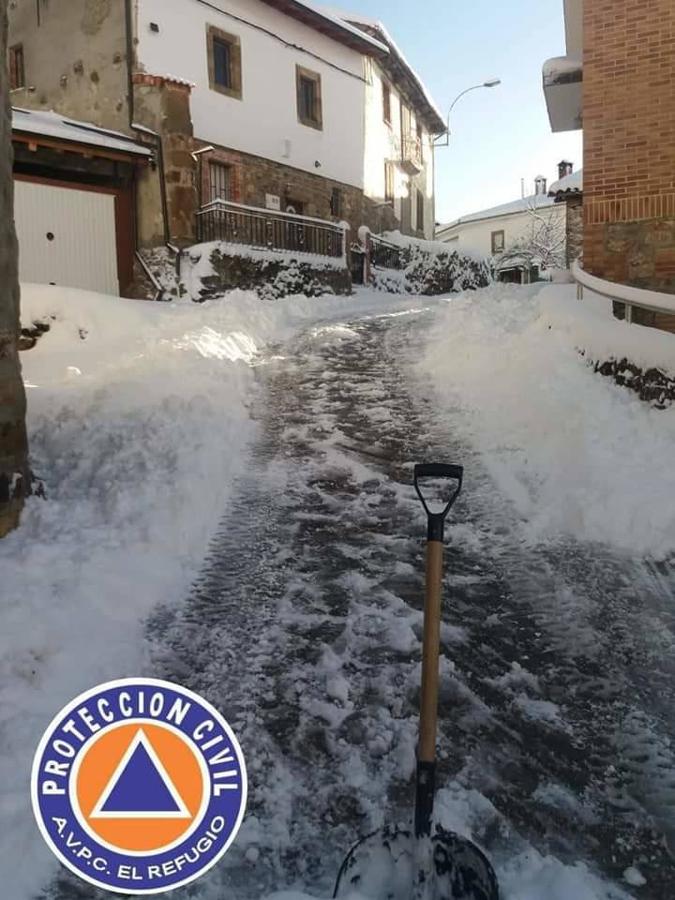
641,254
162,104
14,471
252,178
629,142
74,58
575,229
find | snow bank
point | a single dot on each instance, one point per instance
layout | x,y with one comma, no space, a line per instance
574,452
138,419
589,323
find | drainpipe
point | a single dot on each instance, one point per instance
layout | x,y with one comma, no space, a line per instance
141,128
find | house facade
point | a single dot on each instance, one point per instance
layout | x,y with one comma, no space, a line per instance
523,238
271,104
616,81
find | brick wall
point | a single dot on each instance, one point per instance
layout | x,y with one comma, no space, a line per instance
629,136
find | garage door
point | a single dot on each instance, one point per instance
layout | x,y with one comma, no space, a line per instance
66,237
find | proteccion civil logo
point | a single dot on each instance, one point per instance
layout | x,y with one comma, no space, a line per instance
139,786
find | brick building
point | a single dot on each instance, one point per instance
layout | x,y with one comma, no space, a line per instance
618,83
273,104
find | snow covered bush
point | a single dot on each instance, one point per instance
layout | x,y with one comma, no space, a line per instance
443,272
428,268
211,270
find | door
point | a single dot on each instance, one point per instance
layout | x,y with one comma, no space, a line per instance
66,236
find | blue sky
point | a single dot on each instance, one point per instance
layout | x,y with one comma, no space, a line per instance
499,135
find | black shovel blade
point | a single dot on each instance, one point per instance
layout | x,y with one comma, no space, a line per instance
382,867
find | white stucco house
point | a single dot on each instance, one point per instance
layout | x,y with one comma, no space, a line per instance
269,109
524,238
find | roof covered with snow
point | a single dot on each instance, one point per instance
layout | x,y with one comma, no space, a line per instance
535,201
53,125
398,65
570,184
331,23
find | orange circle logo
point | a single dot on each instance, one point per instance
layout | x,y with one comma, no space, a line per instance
139,786
127,767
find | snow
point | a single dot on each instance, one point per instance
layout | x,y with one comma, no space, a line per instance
575,453
138,419
369,22
534,201
51,124
341,22
570,184
561,68
634,877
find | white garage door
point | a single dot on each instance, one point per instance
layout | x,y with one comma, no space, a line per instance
66,237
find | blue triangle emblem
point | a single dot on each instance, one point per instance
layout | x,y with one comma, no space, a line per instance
140,787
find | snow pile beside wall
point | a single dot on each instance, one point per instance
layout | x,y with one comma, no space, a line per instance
429,268
635,357
209,270
138,421
576,454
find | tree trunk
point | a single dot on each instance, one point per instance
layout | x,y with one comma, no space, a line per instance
14,473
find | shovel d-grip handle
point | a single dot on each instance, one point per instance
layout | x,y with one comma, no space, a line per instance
436,521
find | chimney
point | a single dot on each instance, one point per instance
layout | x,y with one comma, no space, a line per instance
565,168
540,185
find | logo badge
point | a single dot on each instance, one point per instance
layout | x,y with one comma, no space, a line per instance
139,786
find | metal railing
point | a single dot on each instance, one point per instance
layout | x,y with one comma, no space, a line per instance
222,220
384,255
631,297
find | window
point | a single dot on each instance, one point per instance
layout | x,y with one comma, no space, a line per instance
420,138
406,122
308,85
17,75
386,102
220,180
389,182
420,211
224,58
498,242
336,203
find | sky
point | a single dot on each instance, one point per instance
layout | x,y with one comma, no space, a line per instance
501,135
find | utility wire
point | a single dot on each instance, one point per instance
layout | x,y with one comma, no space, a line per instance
287,44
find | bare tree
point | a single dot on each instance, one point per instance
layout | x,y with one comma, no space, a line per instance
14,473
544,243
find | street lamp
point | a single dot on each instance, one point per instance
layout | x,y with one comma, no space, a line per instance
490,83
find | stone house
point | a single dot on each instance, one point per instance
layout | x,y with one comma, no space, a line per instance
616,82
523,238
276,105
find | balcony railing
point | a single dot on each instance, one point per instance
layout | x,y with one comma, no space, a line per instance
384,255
234,223
411,154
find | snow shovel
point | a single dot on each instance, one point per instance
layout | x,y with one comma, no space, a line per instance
428,863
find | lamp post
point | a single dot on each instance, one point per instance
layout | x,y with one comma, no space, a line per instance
490,83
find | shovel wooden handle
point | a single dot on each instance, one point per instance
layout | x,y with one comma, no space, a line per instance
431,653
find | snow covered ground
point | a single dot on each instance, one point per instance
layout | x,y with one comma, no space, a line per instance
574,452
138,420
145,420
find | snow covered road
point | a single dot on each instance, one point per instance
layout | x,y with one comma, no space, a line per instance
557,705
557,692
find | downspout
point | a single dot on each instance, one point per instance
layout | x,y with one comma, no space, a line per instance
128,11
